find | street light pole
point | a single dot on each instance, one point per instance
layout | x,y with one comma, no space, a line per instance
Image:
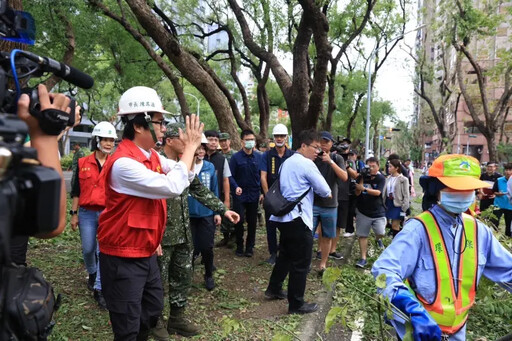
198,102
369,95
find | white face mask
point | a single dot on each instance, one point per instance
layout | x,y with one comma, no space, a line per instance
280,144
200,157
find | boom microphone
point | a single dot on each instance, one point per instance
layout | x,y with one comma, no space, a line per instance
64,71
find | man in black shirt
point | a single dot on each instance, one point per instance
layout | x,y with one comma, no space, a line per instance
370,212
486,195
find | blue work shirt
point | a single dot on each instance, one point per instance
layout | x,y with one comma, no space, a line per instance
501,201
409,256
245,172
297,175
208,178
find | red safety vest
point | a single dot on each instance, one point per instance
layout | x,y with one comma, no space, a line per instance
450,308
92,185
130,226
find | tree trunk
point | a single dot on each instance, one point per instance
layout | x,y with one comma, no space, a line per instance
354,114
491,146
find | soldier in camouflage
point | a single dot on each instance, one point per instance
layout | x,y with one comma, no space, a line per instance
226,228
177,248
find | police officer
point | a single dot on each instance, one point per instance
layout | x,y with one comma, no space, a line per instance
271,161
442,253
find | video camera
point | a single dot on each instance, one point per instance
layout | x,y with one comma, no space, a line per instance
365,174
29,193
341,146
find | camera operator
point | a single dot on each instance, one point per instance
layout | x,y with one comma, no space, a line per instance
370,212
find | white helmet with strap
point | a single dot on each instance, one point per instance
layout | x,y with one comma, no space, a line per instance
140,99
104,129
280,129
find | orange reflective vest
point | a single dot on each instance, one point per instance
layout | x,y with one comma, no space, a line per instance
450,307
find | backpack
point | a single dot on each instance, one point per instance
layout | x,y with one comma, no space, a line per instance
275,204
29,303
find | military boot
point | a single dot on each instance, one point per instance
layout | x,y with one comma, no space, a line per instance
177,323
159,333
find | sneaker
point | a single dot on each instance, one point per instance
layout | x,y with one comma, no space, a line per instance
335,255
248,253
272,259
98,297
209,283
239,253
361,263
319,255
380,244
348,234
281,295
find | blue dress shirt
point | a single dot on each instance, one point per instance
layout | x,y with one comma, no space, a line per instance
245,172
409,256
298,174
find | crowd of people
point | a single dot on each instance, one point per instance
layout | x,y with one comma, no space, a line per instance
145,216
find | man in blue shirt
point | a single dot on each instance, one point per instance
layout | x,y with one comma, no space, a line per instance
298,175
269,169
245,172
466,250
501,200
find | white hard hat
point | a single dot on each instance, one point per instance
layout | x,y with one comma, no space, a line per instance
104,129
280,129
140,99
203,139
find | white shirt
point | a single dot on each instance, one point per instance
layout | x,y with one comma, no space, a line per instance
198,167
227,170
131,177
391,184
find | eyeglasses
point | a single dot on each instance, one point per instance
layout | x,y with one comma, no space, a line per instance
160,123
316,148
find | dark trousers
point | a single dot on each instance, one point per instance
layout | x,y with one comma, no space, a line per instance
294,258
248,211
352,199
18,247
203,233
485,203
271,234
132,288
508,220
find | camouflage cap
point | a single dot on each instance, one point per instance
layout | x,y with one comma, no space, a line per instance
172,129
224,136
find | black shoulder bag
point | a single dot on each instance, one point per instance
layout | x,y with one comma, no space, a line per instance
274,202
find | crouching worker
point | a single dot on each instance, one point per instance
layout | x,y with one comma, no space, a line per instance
434,265
137,182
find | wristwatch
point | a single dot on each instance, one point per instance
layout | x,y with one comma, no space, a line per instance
71,212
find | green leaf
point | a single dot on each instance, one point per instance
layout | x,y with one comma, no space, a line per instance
331,317
281,336
229,325
86,327
330,276
408,332
380,281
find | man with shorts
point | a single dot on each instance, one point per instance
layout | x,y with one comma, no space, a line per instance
332,168
370,210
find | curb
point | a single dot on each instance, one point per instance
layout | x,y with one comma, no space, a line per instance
313,324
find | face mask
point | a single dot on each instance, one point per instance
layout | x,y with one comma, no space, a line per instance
200,157
457,202
280,144
249,144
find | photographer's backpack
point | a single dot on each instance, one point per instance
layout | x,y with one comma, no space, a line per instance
28,304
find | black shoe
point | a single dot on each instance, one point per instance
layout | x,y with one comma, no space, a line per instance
209,283
272,259
223,242
98,296
306,308
239,253
320,273
248,253
90,281
335,255
281,295
319,255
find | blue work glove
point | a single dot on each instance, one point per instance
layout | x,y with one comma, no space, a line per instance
424,326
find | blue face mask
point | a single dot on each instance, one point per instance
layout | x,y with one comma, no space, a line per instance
457,202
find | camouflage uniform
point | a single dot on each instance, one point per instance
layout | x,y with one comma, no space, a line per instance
227,228
176,262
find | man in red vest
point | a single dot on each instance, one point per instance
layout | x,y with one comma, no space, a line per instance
137,182
434,265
